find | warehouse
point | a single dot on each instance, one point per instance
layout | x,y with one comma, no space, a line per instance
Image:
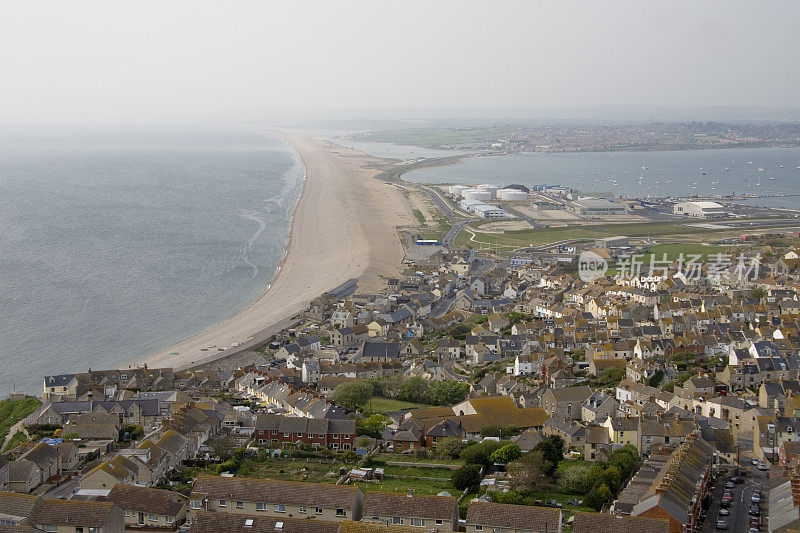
489,211
699,209
598,206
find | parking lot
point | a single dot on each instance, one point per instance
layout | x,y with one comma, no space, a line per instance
738,519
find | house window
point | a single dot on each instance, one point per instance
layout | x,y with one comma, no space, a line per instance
478,528
169,519
397,520
439,521
341,512
240,505
335,435
223,503
346,446
196,504
274,431
318,510
417,522
302,510
279,508
335,446
153,518
127,513
285,434
299,435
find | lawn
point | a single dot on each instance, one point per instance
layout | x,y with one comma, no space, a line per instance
673,251
17,439
412,458
420,486
384,405
12,412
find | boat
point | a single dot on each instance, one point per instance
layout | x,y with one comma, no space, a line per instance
761,169
727,169
772,178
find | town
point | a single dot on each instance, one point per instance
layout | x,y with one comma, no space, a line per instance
475,393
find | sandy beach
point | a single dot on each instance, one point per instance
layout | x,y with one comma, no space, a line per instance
344,227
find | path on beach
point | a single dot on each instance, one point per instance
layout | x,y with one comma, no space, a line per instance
344,227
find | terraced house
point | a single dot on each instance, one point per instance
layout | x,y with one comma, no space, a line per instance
439,513
292,499
317,432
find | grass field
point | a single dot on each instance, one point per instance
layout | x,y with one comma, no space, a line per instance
12,412
673,251
383,405
518,238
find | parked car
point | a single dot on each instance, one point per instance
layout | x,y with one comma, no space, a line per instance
755,522
752,530
729,485
738,480
756,462
755,498
754,511
724,512
722,524
727,496
724,504
762,466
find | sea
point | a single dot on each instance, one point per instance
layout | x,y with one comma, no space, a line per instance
116,243
654,174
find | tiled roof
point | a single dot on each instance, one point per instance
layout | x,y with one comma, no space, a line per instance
147,500
14,504
275,491
236,523
513,516
609,523
73,512
417,505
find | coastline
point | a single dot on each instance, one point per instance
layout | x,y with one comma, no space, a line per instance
334,236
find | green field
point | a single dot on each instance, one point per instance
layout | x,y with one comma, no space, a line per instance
13,412
673,251
518,238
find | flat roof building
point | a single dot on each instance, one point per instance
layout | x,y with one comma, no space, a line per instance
598,206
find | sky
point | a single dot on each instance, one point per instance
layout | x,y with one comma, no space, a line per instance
100,61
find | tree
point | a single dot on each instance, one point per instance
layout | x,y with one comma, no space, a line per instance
492,431
552,449
598,497
612,479
413,389
223,447
506,454
446,392
479,454
390,385
656,378
529,470
363,442
449,448
578,479
354,395
372,426
466,477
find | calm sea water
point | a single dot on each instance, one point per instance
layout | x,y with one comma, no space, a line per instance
639,174
116,244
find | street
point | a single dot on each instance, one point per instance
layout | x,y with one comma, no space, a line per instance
738,520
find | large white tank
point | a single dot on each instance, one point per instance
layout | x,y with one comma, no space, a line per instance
492,189
511,194
477,194
456,190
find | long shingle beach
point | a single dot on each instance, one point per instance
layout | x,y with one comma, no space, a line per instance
344,226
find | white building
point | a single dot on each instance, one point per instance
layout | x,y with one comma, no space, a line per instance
598,206
699,209
489,211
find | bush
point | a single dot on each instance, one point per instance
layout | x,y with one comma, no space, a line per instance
466,477
446,392
507,453
480,454
413,389
598,497
449,448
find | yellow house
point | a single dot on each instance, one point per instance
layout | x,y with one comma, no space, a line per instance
622,430
376,328
63,385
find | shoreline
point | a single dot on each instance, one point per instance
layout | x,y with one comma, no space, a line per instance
318,256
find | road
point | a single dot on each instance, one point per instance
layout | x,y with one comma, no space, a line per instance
449,372
458,222
738,520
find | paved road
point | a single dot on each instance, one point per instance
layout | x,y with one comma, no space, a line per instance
738,520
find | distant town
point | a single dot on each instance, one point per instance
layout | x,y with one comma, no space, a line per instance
588,137
640,373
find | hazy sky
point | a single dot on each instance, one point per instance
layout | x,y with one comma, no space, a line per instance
106,61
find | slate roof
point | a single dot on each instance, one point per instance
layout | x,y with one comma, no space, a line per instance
61,380
15,504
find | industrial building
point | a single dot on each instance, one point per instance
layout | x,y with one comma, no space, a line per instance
509,195
620,241
598,206
699,209
489,211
